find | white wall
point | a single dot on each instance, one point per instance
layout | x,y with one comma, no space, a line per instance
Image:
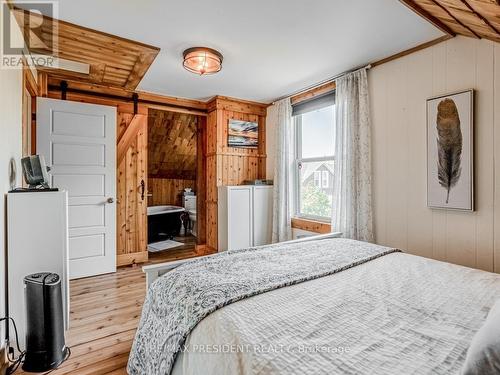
399,90
11,92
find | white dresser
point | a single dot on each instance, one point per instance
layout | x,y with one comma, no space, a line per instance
244,216
37,227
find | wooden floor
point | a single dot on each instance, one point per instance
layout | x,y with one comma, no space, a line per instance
105,311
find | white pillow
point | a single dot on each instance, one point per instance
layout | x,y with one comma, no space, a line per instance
483,356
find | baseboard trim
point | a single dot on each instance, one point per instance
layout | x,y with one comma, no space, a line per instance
132,258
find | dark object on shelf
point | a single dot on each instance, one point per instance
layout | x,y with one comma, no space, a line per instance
45,345
35,172
258,182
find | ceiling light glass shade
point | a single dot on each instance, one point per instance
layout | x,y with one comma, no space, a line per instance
201,60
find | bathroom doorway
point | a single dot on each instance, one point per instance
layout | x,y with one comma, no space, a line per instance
175,184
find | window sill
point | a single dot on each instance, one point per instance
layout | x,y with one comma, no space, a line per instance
311,225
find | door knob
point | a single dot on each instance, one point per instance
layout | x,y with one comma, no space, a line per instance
110,200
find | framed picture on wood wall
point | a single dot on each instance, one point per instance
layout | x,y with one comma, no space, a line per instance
450,151
243,134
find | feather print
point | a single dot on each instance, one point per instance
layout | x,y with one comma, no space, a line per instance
449,143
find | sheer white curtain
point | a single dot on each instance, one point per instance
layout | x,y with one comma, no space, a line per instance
282,229
352,199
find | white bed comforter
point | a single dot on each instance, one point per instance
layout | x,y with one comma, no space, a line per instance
398,314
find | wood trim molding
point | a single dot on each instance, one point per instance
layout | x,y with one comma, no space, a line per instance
30,82
412,50
43,85
171,100
311,225
313,92
209,250
87,90
429,17
225,103
204,249
131,258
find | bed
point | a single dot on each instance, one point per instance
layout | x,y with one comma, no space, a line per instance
322,306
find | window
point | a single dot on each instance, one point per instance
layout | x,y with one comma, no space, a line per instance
314,158
317,178
324,179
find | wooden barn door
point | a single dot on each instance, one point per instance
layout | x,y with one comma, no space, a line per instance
132,180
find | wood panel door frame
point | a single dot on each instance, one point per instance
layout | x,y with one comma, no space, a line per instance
160,195
201,183
30,93
132,187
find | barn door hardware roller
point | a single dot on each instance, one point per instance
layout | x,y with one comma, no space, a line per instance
135,98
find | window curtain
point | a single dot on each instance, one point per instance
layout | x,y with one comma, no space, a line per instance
352,199
282,221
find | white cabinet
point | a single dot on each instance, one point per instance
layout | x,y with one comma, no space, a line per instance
262,215
37,242
244,216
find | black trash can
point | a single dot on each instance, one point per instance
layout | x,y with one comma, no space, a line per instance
45,345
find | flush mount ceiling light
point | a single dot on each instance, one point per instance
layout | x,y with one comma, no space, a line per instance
202,60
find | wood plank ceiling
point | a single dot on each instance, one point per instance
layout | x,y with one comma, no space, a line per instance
113,61
472,18
172,145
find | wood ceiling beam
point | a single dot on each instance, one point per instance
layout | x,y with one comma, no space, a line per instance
429,17
113,60
141,66
481,17
437,3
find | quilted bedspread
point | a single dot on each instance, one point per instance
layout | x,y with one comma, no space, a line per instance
177,302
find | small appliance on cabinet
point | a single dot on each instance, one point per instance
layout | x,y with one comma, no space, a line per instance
244,216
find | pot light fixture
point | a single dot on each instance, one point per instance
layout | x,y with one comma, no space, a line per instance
202,60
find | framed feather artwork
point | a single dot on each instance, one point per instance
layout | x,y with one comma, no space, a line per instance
450,151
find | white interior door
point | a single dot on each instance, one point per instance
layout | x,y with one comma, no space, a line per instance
78,142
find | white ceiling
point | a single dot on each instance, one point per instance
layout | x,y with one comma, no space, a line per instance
271,47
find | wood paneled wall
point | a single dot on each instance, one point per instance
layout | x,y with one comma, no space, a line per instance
131,210
168,191
398,93
230,165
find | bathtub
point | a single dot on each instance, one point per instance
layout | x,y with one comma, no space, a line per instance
164,222
159,210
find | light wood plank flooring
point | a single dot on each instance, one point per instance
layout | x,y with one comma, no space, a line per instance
105,311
